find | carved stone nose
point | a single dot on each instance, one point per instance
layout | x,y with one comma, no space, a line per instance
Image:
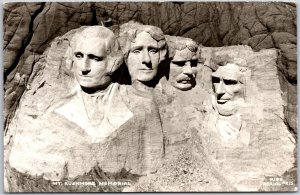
145,58
220,89
187,69
86,68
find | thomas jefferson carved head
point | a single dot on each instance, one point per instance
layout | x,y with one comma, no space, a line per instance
96,56
228,82
183,62
144,48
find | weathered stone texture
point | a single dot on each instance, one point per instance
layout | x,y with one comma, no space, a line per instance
192,142
60,149
30,27
271,147
186,167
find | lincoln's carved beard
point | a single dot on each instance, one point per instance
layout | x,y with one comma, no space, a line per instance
227,109
231,107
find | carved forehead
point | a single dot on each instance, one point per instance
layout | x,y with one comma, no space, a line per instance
221,58
132,29
98,35
91,41
229,71
96,31
177,44
184,55
144,39
92,45
180,43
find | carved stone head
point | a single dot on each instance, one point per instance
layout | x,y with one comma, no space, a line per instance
183,62
144,48
228,82
95,56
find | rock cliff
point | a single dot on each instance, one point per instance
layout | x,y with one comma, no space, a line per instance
36,38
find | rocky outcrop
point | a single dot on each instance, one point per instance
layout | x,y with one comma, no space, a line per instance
35,61
265,144
263,151
43,120
30,27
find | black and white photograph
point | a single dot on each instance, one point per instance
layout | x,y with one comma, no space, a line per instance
165,96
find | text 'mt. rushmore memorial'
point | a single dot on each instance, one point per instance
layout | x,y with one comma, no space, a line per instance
150,97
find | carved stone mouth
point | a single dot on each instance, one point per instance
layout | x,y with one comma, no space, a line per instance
185,81
222,101
85,76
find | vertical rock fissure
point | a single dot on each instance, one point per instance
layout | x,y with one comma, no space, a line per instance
25,43
94,14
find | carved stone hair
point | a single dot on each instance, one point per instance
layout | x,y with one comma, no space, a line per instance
131,29
180,43
114,54
222,58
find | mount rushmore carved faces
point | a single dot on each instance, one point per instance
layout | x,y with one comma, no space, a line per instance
184,58
95,57
228,84
144,47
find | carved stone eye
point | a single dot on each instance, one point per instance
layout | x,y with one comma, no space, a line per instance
136,51
96,58
230,82
154,51
194,63
179,63
215,79
78,55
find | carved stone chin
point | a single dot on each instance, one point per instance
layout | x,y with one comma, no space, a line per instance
227,109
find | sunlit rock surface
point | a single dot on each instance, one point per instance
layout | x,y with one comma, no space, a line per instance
35,61
52,123
29,29
265,146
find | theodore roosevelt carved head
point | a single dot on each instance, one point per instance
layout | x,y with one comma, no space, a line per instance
183,54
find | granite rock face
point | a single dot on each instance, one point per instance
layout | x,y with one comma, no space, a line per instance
263,150
37,76
30,27
50,108
264,144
